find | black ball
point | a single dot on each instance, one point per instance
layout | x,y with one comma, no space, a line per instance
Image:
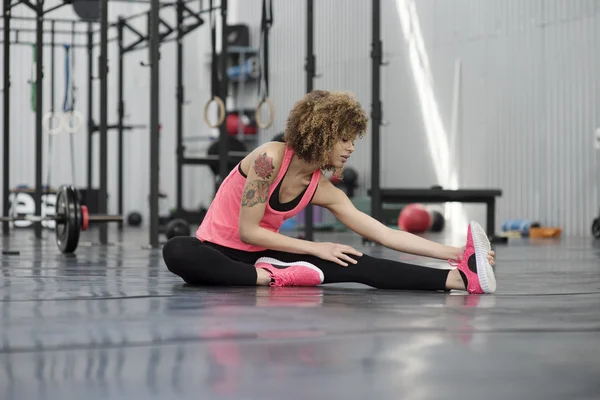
233,144
278,137
177,227
350,177
438,221
134,218
596,228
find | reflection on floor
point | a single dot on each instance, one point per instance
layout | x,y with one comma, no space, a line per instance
113,323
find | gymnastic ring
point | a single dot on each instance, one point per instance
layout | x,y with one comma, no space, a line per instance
271,113
221,111
72,116
46,123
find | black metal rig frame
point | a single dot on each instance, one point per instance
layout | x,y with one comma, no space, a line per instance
38,8
376,109
224,158
311,72
159,31
153,38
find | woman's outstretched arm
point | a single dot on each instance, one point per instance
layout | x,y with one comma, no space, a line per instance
336,201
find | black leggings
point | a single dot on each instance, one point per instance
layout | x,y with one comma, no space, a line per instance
203,263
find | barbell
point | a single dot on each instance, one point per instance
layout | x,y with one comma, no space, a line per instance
71,218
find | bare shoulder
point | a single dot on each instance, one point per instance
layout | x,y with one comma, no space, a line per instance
265,160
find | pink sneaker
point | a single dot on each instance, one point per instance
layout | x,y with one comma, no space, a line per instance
474,267
298,273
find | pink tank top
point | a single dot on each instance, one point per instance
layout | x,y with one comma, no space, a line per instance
220,225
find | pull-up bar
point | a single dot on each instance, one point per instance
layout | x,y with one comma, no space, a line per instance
19,41
45,44
56,31
56,20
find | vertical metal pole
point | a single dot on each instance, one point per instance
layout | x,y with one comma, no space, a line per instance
179,108
154,120
121,114
6,116
52,95
103,132
376,112
52,68
90,95
310,75
265,44
39,78
223,150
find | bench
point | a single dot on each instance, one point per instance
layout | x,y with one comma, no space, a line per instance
434,195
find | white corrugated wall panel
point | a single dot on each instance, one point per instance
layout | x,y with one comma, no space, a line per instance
529,103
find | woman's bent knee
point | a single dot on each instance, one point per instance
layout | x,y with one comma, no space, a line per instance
177,252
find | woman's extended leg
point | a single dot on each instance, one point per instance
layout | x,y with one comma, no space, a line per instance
473,273
376,272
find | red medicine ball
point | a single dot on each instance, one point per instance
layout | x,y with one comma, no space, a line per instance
232,121
414,218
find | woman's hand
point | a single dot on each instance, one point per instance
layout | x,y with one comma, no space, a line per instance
338,253
492,258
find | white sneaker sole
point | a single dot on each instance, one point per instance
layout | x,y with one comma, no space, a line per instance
274,261
485,272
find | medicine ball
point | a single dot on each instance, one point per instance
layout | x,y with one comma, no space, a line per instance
596,228
437,221
278,138
348,182
350,177
232,121
233,144
414,218
177,227
134,218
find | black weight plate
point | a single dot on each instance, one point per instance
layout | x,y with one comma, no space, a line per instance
60,213
87,10
596,228
233,144
78,212
68,226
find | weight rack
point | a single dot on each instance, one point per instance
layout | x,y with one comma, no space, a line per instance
154,38
150,41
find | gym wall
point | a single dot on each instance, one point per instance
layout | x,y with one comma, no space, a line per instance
525,109
528,104
522,116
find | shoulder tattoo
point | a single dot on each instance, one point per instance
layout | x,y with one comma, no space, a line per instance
256,192
263,166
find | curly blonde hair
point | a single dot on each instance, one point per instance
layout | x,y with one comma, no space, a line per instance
320,120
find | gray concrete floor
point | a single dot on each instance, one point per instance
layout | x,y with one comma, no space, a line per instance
113,323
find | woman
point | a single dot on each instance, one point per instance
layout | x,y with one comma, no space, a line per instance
239,244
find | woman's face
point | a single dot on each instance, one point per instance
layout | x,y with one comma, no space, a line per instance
341,152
